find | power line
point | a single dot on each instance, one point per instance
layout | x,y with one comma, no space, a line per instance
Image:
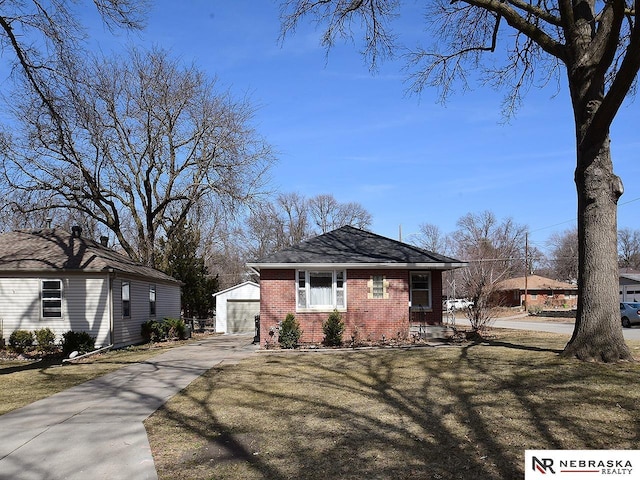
575,219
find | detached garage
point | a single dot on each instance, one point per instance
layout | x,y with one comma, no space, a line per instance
236,308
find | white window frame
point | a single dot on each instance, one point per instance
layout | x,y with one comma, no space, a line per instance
153,297
303,290
45,297
420,307
126,283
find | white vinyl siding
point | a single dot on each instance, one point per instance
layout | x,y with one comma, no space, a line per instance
168,301
84,306
87,306
127,330
19,304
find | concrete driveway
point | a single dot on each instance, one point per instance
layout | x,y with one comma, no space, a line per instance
94,430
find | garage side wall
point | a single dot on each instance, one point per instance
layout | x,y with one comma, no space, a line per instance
247,293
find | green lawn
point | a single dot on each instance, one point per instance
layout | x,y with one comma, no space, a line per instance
460,412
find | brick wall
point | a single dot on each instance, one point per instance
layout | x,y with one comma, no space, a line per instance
277,298
366,318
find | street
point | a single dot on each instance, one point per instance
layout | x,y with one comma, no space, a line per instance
632,333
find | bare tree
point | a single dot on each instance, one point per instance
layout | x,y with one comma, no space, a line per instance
595,44
629,248
328,214
294,210
224,247
278,224
144,144
432,238
289,219
494,251
41,39
564,255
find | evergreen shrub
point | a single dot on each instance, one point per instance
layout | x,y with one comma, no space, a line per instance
45,339
290,332
333,329
80,342
20,340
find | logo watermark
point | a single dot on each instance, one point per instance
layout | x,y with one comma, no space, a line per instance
581,464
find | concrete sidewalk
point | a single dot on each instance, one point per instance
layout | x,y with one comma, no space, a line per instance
94,430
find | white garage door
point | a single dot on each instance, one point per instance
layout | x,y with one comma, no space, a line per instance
241,315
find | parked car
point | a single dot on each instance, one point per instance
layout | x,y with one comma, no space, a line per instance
629,313
457,304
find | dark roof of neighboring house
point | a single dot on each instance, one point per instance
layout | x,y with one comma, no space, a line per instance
54,250
534,282
631,276
351,247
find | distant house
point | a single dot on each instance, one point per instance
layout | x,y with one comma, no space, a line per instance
51,278
541,291
381,287
237,307
629,282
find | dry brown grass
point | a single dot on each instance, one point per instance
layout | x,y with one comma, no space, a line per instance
436,413
24,382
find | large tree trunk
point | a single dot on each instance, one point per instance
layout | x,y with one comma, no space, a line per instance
597,335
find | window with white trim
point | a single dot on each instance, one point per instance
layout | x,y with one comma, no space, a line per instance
126,299
51,295
420,290
152,300
321,290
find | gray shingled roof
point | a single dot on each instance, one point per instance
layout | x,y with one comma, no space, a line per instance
54,250
349,246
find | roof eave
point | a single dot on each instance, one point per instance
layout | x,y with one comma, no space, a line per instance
372,265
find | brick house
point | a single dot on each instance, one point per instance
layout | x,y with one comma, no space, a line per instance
382,287
541,291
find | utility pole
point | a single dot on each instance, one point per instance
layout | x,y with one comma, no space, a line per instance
526,267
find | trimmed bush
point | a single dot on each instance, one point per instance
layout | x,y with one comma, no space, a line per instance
80,342
46,339
153,331
175,328
20,340
333,329
290,332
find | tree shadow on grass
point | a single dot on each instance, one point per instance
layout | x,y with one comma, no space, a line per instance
518,346
429,413
42,364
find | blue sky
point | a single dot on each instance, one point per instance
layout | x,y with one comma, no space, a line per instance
408,160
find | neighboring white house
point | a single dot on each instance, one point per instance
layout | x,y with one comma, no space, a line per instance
51,278
629,287
236,308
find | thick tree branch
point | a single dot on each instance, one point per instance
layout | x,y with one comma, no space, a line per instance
621,84
522,25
